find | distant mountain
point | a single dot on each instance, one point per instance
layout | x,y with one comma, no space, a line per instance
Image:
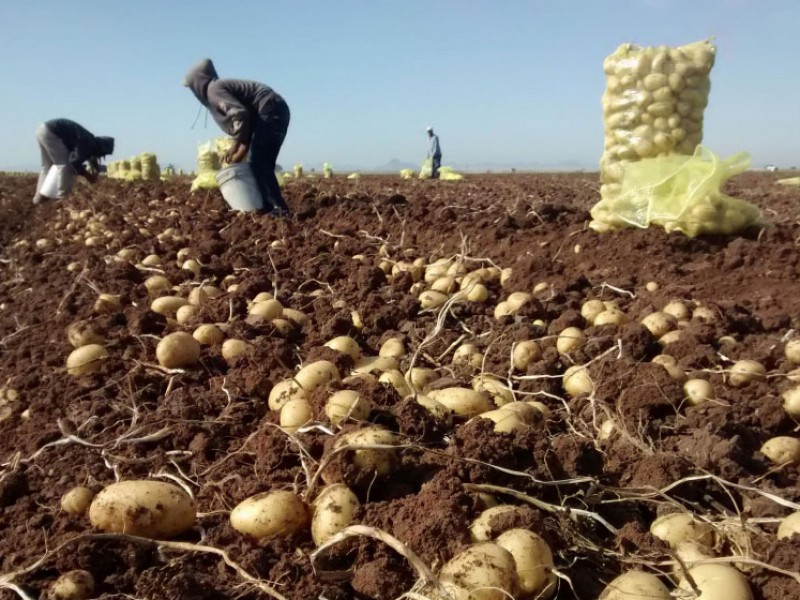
395,166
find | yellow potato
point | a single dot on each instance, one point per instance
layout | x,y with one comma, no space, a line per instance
234,348
283,391
745,371
576,381
792,351
334,510
393,348
295,316
782,449
431,299
437,409
591,308
86,359
270,515
397,381
636,585
789,526
144,508
484,571
498,390
73,585
208,335
462,401
570,340
420,377
525,353
295,413
480,529
267,309
81,333
505,421
107,303
791,402
675,528
380,461
197,296
317,374
376,364
659,324
77,500
185,313
346,345
534,562
610,317
347,404
168,305
698,391
718,582
155,284
178,350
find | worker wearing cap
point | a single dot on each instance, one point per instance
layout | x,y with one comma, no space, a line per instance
64,143
434,153
255,116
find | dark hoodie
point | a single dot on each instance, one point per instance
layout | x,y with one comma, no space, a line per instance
234,103
80,143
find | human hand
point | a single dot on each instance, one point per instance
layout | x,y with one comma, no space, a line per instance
236,154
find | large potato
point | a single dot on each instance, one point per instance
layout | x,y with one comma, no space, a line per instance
347,403
718,582
462,401
295,413
782,449
269,515
316,374
283,391
489,384
178,350
376,364
267,309
86,359
333,511
346,345
375,460
144,508
636,585
168,305
484,571
480,530
680,527
82,333
534,562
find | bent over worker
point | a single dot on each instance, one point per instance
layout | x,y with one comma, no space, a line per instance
255,116
72,148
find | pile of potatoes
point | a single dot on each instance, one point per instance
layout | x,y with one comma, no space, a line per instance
653,104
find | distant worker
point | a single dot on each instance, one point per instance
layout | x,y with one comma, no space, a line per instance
434,153
68,145
255,116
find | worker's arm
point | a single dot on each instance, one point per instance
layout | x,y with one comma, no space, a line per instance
236,115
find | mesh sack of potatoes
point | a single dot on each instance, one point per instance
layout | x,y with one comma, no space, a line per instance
426,171
679,193
222,146
111,170
135,171
123,168
207,166
150,169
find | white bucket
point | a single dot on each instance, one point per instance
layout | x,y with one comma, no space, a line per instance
239,188
53,181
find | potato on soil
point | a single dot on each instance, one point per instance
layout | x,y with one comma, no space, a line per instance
368,461
155,284
347,404
636,585
792,351
679,527
295,316
270,515
393,348
168,305
437,409
177,350
431,299
83,333
376,364
525,353
782,449
267,309
745,371
317,374
698,391
462,401
576,381
395,379
295,413
333,510
659,324
185,313
86,359
505,421
789,526
484,571
77,500
534,562
346,345
718,582
591,308
144,508
107,304
208,335
234,348
420,377
499,391
73,585
570,340
480,530
283,391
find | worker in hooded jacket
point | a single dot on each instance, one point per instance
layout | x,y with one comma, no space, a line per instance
66,144
255,116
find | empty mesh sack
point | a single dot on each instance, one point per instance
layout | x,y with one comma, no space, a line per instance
679,193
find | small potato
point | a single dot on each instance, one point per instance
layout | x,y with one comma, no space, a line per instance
270,515
380,461
495,388
208,335
393,348
295,413
478,293
468,355
789,526
677,309
505,276
503,309
431,299
436,408
704,313
718,582
346,345
186,313
177,350
669,338
698,391
570,340
263,297
462,401
591,308
745,371
395,379
782,450
192,266
168,305
445,285
679,527
86,359
73,585
234,348
480,530
665,360
792,351
77,500
333,510
267,309
505,421
107,304
636,585
284,391
576,381
155,284
347,404
540,287
317,374
283,326
517,300
525,353
659,324
607,429
297,317
420,377
484,571
197,296
651,286
534,562
437,269
610,317
144,508
791,402
375,364
81,333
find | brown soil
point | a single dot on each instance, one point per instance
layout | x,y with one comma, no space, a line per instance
211,428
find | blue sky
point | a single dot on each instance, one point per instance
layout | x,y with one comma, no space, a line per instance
502,81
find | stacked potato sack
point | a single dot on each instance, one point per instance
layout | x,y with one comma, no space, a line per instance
150,169
135,173
207,166
111,170
327,170
123,169
653,104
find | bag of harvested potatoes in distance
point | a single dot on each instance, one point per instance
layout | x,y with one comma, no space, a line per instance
207,167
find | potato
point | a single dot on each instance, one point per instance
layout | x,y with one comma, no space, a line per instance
73,585
792,351
651,286
505,276
155,284
505,421
431,299
576,381
791,402
375,364
495,388
478,293
445,285
333,510
283,326
197,296
86,359
570,340
234,348
437,269
745,371
484,571
534,562
542,408
636,585
591,308
669,338
185,314
525,353
468,355
263,297
283,391
393,348
177,350
704,313
380,461
665,360
295,413
127,253
503,309
346,345
517,300
267,309
192,266
420,377
678,527
677,309
462,401
698,391
436,408
77,500
107,304
208,335
789,526
782,449
168,305
526,411
317,374
144,508
297,317
395,379
347,404
480,529
81,333
718,582
270,515
659,324
610,317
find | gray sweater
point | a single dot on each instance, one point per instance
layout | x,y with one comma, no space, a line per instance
435,150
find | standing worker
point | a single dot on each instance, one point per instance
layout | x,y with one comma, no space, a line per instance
255,116
68,145
434,153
